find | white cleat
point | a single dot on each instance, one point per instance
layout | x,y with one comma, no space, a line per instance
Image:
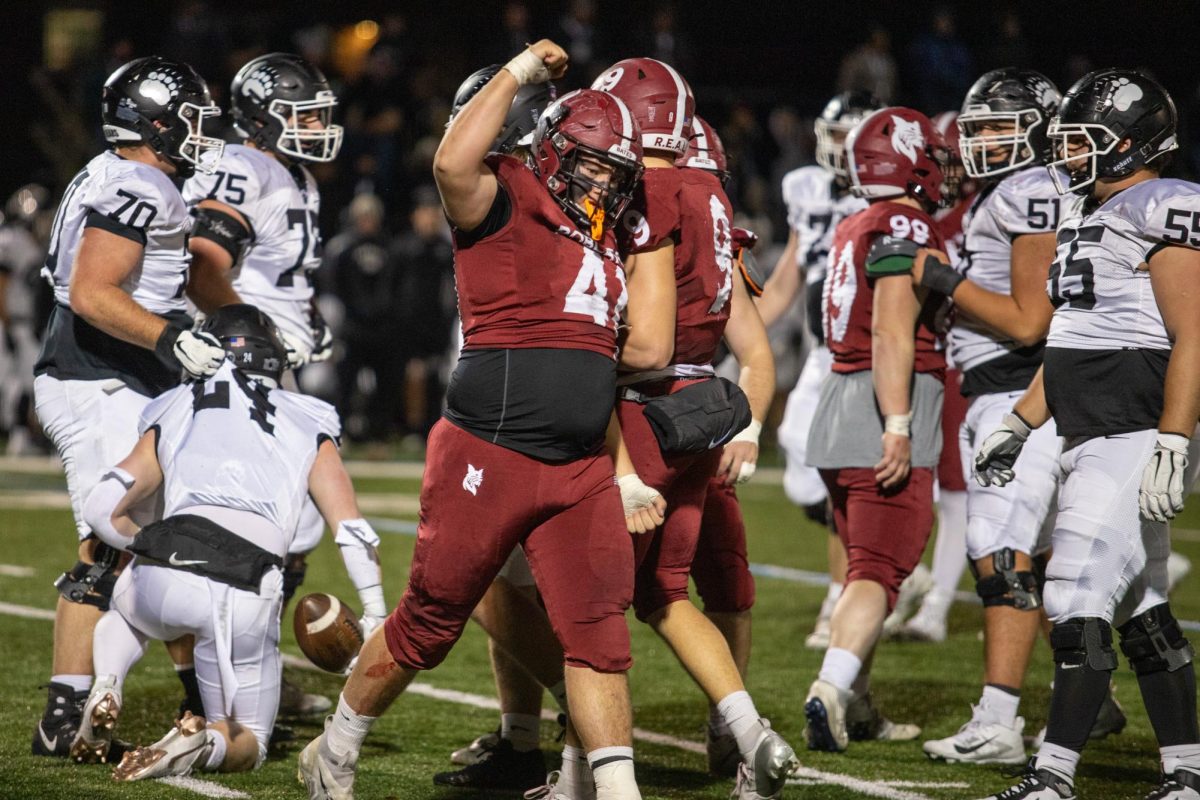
924,627
1183,784
825,709
177,753
474,752
549,791
865,723
819,638
912,592
97,724
1038,784
767,773
324,775
980,742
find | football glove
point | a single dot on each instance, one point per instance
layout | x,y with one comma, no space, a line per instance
199,354
995,459
297,350
322,337
1162,492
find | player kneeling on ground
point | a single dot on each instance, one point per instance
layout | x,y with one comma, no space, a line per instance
236,456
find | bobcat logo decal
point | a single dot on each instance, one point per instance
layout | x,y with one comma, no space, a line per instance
473,479
907,137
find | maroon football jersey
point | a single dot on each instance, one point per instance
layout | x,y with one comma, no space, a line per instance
539,281
689,207
849,293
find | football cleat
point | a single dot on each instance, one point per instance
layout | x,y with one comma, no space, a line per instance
819,638
912,592
56,730
97,723
324,775
502,768
722,752
767,771
295,702
548,790
466,756
825,709
865,723
1110,720
1038,784
927,625
1183,784
177,753
980,741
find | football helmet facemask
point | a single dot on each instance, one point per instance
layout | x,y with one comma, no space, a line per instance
527,107
162,104
284,104
251,340
838,118
1103,109
582,134
1004,121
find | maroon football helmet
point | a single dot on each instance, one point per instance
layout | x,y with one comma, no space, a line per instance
586,125
705,151
897,151
659,98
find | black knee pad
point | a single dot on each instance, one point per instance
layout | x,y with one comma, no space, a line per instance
1085,641
1153,642
91,584
1008,586
294,570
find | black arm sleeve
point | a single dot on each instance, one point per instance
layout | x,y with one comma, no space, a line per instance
497,217
222,229
97,220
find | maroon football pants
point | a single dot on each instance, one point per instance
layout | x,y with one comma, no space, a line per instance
478,502
720,567
954,410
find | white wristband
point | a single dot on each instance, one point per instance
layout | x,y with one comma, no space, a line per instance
1175,442
371,598
749,433
898,424
528,68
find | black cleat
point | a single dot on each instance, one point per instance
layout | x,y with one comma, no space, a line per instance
501,768
60,721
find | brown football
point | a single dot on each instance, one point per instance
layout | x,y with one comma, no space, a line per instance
327,631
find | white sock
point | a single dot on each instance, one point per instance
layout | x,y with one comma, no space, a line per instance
739,713
559,692
217,754
1061,761
1185,756
575,776
832,595
716,722
523,730
840,668
78,683
347,730
612,769
997,705
950,549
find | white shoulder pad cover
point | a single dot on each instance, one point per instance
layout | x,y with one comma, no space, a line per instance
1028,202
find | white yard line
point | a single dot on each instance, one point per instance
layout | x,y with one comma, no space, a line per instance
16,571
206,788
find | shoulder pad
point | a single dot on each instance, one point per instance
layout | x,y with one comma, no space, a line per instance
1027,202
1166,212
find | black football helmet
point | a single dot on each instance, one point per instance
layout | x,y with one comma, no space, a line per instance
270,95
1103,109
1021,98
163,104
840,115
531,100
250,339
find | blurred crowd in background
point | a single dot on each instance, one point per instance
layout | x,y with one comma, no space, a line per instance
386,283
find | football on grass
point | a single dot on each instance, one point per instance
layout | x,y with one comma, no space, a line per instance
327,631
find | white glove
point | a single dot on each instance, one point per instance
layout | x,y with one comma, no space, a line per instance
995,459
322,338
200,354
1162,492
635,495
297,350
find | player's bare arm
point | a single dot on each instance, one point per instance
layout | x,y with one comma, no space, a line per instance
209,286
465,182
893,350
650,340
746,336
104,263
785,283
1173,272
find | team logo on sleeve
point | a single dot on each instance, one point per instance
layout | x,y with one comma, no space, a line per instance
473,479
906,137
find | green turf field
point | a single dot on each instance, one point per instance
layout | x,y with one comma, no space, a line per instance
932,685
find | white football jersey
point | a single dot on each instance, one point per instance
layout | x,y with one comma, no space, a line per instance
227,442
282,206
1024,202
134,200
814,208
1099,284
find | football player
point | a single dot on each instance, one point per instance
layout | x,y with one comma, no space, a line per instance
817,198
1121,380
256,222
883,334
682,299
119,333
1003,315
235,456
517,459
